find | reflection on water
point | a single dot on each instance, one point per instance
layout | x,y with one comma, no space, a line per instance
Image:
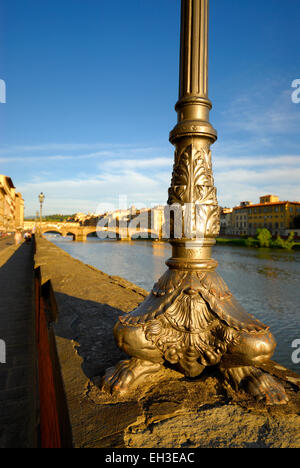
265,281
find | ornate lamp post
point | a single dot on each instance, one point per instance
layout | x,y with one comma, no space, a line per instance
191,319
41,200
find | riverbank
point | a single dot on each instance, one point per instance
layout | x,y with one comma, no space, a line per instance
242,242
173,412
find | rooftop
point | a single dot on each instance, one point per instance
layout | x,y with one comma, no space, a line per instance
266,204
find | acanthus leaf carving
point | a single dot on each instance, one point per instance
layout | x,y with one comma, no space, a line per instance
192,179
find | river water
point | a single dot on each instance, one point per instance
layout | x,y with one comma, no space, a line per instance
265,281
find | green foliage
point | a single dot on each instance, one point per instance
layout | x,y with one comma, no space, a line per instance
58,218
239,242
278,243
264,237
289,243
252,242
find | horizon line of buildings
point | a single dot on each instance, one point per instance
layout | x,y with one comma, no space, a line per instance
271,213
11,206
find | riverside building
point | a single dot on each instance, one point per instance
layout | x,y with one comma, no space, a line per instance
11,206
270,213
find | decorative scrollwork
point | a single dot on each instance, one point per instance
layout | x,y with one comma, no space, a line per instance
192,179
192,187
207,220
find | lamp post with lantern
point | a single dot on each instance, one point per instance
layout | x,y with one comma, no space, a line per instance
41,200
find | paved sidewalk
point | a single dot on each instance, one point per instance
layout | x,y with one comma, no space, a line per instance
17,329
6,242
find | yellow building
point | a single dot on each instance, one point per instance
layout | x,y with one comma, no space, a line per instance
270,213
11,206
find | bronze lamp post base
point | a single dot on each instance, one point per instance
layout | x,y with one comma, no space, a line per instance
191,319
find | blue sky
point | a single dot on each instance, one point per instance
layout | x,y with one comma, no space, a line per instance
91,89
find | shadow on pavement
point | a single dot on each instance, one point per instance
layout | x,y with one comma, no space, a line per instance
90,324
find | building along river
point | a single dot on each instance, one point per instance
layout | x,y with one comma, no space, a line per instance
265,281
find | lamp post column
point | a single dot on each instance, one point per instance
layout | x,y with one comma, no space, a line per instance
192,185
190,318
41,200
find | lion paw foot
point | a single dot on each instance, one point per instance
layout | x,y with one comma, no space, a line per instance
126,374
264,387
259,384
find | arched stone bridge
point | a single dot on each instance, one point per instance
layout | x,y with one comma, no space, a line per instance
80,233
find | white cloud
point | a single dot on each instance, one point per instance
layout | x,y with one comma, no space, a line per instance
5,149
79,176
138,163
74,194
147,182
263,113
249,184
257,162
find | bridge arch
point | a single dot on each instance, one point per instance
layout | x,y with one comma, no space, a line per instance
92,233
51,231
104,233
71,234
80,233
126,233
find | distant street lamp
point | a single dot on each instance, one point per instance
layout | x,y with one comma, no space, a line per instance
41,200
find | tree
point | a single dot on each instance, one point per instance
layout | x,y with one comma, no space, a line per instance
264,237
289,243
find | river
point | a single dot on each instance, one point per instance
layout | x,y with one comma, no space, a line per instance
265,281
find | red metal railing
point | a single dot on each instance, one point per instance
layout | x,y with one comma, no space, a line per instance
54,427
